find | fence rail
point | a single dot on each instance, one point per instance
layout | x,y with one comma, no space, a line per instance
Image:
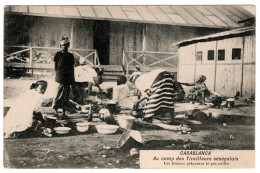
42,57
150,59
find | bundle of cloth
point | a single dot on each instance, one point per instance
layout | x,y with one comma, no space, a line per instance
156,88
85,78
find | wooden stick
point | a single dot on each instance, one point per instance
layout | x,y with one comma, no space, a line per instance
41,60
152,52
89,55
19,59
20,51
163,61
134,59
48,48
83,57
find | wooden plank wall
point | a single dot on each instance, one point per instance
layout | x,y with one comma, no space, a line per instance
249,75
206,67
116,43
161,37
186,66
228,79
248,80
46,32
228,44
128,36
124,36
228,73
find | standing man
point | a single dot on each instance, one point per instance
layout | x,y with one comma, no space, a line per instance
64,68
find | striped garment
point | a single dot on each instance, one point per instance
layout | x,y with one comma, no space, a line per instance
162,95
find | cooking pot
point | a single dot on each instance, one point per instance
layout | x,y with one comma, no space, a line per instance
111,106
125,121
50,121
104,115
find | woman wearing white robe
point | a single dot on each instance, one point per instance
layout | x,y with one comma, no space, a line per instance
20,116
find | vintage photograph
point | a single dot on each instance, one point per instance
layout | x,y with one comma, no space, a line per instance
120,86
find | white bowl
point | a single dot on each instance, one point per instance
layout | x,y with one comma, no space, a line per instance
125,121
62,130
82,127
112,102
106,129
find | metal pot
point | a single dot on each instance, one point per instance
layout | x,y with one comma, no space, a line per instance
104,115
51,121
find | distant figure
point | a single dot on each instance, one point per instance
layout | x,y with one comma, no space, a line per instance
64,68
25,112
133,77
122,90
136,73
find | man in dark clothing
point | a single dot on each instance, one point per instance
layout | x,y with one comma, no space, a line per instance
64,68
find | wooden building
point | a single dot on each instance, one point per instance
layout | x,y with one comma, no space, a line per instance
119,35
227,59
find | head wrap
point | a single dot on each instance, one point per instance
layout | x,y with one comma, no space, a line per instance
201,79
82,61
43,83
64,41
138,67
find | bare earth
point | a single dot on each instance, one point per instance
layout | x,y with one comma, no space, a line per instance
89,150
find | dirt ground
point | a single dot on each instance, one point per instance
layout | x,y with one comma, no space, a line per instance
234,131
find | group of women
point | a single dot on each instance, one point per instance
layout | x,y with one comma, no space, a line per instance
160,91
158,88
25,112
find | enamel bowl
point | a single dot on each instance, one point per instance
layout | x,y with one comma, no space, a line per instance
62,130
82,127
106,129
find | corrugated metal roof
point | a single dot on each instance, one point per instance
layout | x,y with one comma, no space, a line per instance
218,35
202,16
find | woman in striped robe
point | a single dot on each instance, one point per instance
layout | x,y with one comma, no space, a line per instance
157,88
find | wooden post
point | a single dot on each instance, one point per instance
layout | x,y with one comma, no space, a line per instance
177,76
123,58
31,58
95,58
127,72
242,66
215,69
195,62
71,35
144,43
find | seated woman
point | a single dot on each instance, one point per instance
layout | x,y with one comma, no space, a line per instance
199,90
157,88
85,77
136,73
25,112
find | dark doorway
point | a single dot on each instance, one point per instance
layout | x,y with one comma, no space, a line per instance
101,40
